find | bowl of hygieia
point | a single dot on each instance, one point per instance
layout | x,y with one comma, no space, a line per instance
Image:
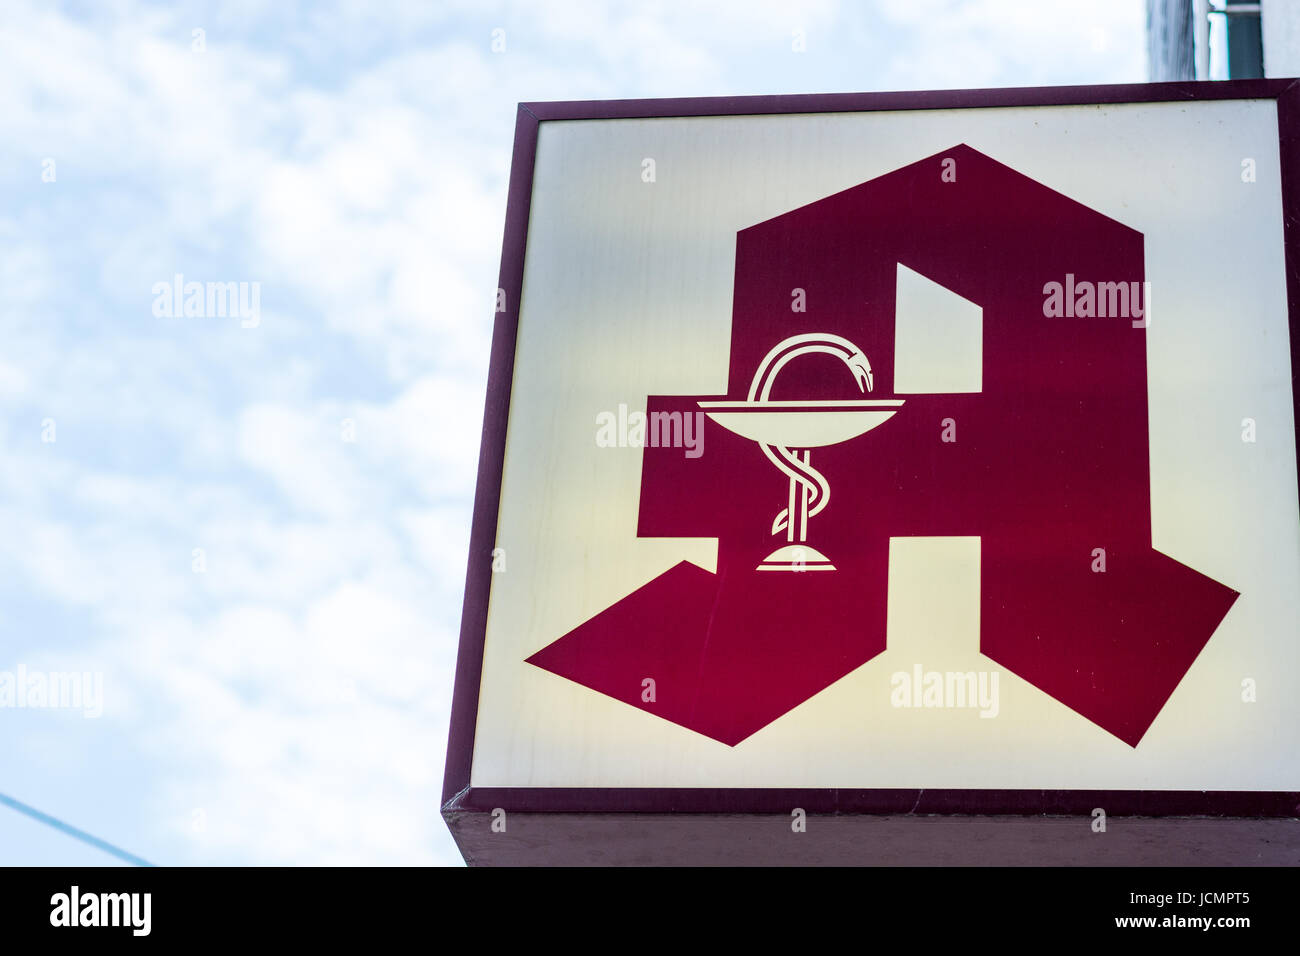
787,431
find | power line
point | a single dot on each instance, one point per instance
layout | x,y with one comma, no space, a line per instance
73,832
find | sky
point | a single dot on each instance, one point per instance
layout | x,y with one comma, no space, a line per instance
251,529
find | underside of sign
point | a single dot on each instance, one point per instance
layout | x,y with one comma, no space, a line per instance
887,478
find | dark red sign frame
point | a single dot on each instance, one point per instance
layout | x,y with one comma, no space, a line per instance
459,797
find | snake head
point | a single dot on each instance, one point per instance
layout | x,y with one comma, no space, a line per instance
861,369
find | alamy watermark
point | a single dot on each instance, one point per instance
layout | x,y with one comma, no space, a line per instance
666,430
52,690
181,299
945,689
1084,299
128,910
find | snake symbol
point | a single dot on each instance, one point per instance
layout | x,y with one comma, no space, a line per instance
816,491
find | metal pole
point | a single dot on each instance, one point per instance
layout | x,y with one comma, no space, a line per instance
1169,40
